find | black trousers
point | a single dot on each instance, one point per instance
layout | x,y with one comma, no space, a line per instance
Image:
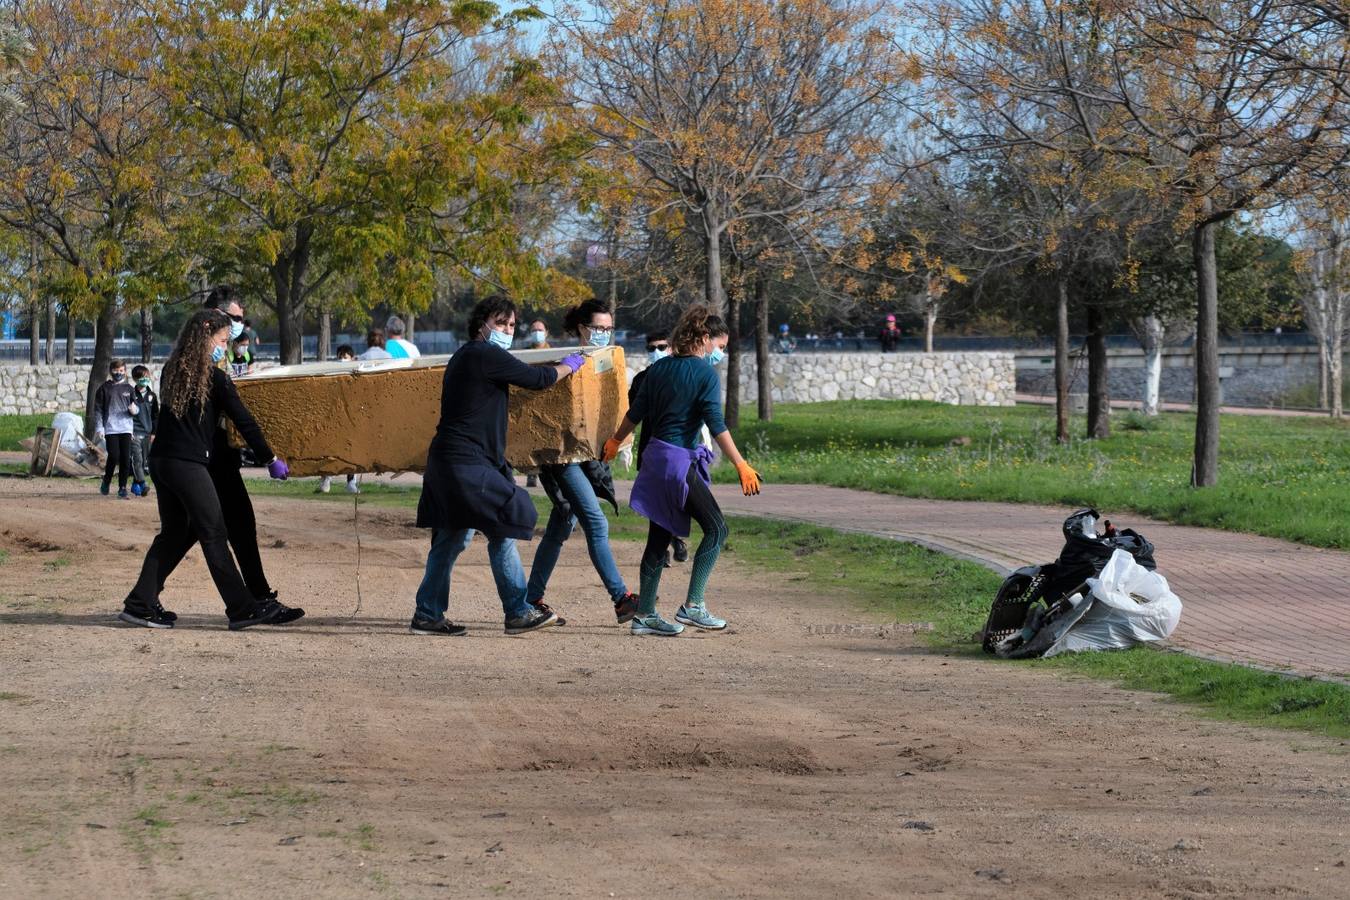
241,526
703,509
119,457
189,511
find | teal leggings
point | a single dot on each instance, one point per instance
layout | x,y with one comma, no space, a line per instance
703,508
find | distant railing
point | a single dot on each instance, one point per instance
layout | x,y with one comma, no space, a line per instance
439,343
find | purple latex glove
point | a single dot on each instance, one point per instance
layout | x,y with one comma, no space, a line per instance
278,469
574,361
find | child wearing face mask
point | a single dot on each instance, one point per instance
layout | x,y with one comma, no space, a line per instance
144,414
680,396
112,421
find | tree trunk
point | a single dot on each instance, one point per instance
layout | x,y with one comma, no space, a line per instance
1323,381
732,408
410,323
70,337
1062,361
326,333
929,323
49,351
763,374
1336,371
104,335
1205,468
288,280
1154,332
147,335
713,294
1099,390
34,332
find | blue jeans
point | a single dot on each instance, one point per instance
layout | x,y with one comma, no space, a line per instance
433,595
577,490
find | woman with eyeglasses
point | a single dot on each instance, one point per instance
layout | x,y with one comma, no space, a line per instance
575,490
681,394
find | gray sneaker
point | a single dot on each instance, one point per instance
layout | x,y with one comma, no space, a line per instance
533,620
698,616
656,625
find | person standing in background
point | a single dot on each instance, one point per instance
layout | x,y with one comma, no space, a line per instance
112,421
890,334
144,415
538,335
394,342
375,345
658,348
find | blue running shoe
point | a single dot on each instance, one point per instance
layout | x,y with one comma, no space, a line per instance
699,617
656,625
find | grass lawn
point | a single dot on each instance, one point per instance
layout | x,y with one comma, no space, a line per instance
1282,477
15,428
904,583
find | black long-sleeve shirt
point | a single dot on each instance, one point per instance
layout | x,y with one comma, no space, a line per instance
474,396
193,436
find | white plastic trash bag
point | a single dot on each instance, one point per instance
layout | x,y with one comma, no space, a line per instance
1126,605
71,427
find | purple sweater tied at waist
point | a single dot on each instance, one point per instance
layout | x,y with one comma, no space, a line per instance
662,486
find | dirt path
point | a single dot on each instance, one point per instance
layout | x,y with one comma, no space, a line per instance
345,757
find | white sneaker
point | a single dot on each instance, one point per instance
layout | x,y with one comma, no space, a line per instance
324,484
353,486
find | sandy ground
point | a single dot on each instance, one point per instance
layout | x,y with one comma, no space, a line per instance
343,756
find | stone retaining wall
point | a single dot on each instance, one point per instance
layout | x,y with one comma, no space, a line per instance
29,390
968,379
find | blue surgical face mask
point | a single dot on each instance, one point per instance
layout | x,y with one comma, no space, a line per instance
143,382
236,329
217,353
599,339
539,336
499,339
657,355
715,356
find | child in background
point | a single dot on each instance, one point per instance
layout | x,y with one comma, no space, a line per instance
344,354
144,410
241,362
112,422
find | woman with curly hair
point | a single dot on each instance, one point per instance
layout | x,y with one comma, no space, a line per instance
680,395
193,393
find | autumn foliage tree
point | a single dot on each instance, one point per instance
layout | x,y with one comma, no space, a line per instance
86,162
728,111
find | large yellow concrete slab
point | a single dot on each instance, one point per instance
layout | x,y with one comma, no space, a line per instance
380,416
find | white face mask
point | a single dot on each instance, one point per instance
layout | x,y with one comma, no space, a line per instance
656,355
539,336
236,329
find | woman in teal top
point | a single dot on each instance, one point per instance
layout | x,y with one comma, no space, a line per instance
680,395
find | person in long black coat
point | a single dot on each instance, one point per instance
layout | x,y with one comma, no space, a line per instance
467,485
194,392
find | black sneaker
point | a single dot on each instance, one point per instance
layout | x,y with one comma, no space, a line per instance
165,614
263,614
122,494
444,627
145,618
287,614
681,550
545,608
531,621
626,607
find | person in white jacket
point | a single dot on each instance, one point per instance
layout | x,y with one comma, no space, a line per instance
395,343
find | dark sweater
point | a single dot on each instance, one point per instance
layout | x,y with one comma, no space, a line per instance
474,395
679,396
147,411
193,436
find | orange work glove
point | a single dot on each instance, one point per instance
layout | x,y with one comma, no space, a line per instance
611,449
749,479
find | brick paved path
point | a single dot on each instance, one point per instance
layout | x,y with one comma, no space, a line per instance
1246,598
